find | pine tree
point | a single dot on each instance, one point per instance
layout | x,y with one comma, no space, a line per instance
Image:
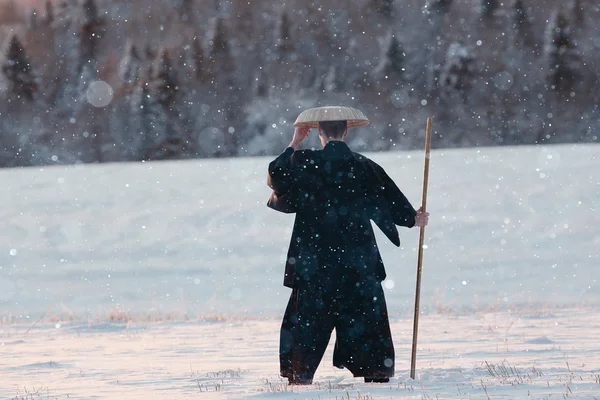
149,121
150,52
68,64
331,80
387,8
426,76
185,10
219,56
90,30
457,70
18,71
308,76
285,43
195,58
383,7
90,12
392,61
32,19
488,8
521,25
63,12
49,15
89,34
163,80
578,14
437,6
219,44
245,18
131,64
560,52
157,123
261,87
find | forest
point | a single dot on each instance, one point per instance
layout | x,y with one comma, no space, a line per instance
89,81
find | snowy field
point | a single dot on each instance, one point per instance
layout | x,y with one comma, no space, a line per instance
163,280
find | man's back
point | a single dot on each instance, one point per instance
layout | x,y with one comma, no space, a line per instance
334,193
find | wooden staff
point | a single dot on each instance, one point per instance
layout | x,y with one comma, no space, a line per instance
413,360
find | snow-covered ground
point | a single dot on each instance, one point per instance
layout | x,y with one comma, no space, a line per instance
163,280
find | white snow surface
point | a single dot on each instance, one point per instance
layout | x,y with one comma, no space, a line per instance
164,280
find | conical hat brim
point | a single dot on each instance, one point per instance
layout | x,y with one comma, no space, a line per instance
310,118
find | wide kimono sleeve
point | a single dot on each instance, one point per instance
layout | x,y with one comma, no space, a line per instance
282,178
403,213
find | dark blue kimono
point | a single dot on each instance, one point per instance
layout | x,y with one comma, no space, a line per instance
333,265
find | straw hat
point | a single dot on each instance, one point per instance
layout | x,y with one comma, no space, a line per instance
310,118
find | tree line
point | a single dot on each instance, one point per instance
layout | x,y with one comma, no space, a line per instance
100,81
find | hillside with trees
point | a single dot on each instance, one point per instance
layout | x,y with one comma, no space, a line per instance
86,81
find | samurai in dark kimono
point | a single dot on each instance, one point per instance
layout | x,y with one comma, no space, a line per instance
333,264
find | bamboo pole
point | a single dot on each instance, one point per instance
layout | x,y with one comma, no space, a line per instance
413,361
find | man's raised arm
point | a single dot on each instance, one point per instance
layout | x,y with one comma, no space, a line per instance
281,177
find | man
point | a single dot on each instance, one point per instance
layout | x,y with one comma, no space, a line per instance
334,267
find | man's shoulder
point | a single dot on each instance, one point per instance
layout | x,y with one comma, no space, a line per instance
360,157
370,166
301,156
364,159
307,152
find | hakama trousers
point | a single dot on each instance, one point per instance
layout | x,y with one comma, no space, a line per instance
358,313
